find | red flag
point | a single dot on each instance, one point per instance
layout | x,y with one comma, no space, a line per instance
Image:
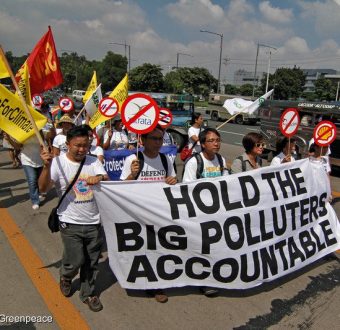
43,65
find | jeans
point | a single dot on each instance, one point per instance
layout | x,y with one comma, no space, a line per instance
82,246
32,176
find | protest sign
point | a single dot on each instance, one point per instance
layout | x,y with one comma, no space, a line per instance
114,159
232,232
324,133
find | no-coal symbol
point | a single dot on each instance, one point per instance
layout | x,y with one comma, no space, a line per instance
140,113
108,107
289,122
66,104
165,117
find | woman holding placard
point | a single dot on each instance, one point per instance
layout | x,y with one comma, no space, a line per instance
286,149
116,138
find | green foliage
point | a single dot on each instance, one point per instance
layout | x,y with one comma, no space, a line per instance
146,78
325,90
190,80
246,90
231,89
288,83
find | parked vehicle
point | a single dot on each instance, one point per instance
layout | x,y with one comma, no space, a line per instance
311,113
78,94
217,112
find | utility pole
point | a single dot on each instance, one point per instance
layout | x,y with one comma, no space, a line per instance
178,58
129,52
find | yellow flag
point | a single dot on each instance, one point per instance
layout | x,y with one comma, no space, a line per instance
91,88
3,70
24,83
120,93
13,118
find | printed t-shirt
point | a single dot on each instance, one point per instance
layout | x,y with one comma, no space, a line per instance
79,205
152,170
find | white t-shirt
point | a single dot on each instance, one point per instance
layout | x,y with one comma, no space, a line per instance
325,162
152,170
30,153
59,142
211,168
119,140
191,132
97,151
277,160
79,205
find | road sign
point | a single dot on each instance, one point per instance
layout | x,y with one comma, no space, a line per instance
108,107
37,100
324,133
289,122
165,117
66,104
140,113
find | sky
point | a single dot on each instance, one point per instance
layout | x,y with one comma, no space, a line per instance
304,33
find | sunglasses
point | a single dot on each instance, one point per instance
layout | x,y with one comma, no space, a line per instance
258,145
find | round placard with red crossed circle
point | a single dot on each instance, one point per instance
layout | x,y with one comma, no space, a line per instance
289,122
165,117
140,113
66,104
108,107
324,133
37,100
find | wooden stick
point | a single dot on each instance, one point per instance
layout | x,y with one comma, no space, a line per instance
22,99
227,121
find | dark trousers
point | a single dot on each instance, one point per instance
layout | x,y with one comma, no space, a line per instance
82,245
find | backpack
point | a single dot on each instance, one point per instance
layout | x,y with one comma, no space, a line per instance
200,164
243,162
140,156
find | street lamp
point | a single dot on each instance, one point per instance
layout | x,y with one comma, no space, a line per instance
257,54
178,57
219,67
129,51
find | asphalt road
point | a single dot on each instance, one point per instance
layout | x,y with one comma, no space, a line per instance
30,260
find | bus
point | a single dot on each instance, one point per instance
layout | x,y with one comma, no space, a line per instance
310,113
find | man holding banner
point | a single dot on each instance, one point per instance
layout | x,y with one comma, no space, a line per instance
151,166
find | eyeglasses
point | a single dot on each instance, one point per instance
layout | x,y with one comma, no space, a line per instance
213,141
258,145
154,138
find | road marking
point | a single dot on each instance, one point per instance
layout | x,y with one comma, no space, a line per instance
231,133
63,311
252,129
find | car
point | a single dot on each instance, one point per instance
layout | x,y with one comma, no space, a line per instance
78,94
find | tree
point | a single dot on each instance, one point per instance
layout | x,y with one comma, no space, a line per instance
111,70
288,83
146,78
231,89
246,90
190,80
325,90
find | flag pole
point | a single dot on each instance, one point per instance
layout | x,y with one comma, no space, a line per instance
15,84
227,121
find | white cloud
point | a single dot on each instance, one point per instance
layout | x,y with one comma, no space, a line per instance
275,15
195,12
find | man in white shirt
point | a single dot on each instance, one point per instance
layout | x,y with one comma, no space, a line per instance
59,142
78,213
150,166
208,163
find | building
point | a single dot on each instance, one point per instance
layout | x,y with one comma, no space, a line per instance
313,74
242,77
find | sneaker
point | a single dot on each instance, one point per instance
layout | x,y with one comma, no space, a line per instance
159,295
208,291
65,286
35,207
94,303
42,197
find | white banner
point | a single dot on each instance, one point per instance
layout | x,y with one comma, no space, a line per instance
232,232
